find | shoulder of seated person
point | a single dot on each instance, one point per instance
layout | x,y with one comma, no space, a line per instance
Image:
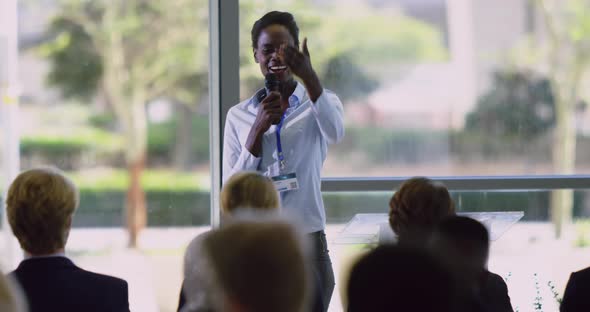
197,241
105,278
583,272
494,280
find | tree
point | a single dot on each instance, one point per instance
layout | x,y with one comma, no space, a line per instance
348,79
519,107
567,47
355,40
128,52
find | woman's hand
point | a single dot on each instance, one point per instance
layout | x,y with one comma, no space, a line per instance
299,63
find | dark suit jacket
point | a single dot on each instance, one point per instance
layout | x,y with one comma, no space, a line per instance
494,293
56,284
576,293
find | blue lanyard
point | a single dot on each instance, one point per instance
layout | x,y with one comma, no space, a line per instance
279,146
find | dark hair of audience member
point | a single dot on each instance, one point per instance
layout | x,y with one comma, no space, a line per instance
259,266
464,236
417,208
275,18
394,278
462,245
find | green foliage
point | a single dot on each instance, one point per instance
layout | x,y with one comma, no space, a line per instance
162,136
152,180
386,146
378,37
165,208
582,227
76,66
520,106
106,146
339,42
347,79
71,143
187,202
102,121
577,13
173,198
160,43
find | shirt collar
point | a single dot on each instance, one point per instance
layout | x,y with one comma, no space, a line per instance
296,97
57,254
298,93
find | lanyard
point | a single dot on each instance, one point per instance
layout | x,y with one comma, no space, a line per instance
279,146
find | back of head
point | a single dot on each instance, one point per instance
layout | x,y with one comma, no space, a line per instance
418,206
463,244
467,234
248,190
40,205
259,266
393,278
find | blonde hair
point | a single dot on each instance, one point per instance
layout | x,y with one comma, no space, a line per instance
40,204
419,206
265,268
248,190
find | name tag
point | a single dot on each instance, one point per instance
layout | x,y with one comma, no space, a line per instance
285,182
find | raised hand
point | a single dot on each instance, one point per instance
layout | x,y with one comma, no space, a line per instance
299,62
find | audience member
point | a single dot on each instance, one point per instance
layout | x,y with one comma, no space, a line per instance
264,270
244,192
417,208
40,208
10,297
574,297
462,244
395,278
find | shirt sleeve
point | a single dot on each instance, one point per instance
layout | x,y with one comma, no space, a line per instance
236,157
328,113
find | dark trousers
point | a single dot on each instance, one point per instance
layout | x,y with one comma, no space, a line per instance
322,265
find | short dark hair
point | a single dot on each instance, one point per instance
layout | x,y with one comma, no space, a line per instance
275,17
460,229
393,278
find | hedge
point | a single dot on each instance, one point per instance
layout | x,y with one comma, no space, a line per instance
187,208
104,147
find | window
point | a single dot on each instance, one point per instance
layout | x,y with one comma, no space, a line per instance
112,95
464,99
429,87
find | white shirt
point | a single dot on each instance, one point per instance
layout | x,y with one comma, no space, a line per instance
307,130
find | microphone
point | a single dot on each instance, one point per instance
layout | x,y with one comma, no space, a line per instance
272,83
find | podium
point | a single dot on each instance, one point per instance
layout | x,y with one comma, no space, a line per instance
371,228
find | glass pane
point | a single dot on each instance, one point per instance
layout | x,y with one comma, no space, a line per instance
115,92
439,88
528,255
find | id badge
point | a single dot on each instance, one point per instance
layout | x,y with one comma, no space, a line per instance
285,182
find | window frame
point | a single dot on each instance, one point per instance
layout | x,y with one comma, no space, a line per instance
9,130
